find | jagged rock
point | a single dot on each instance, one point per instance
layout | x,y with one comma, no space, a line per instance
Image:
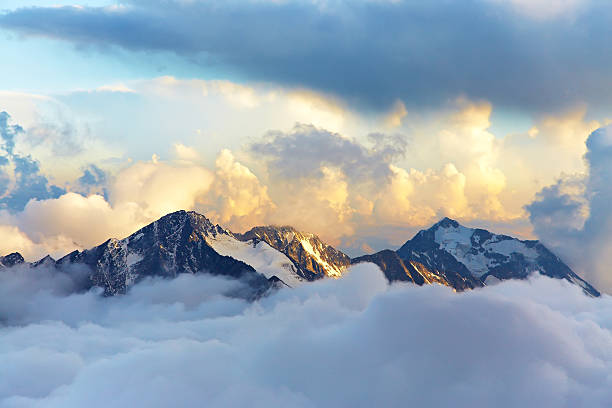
312,258
11,260
174,244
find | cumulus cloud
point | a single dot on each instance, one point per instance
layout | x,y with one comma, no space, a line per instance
574,214
302,151
158,187
134,196
57,136
378,65
20,176
354,186
237,198
351,342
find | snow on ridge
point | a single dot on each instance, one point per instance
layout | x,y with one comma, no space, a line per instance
458,242
265,259
329,269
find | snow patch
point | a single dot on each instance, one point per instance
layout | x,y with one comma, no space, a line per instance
458,242
138,236
509,246
329,269
265,259
133,258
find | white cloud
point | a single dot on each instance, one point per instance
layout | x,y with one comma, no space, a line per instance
573,215
349,342
545,9
333,174
236,199
159,188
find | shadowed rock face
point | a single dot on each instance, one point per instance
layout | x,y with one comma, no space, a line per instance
11,260
393,266
312,258
397,269
466,258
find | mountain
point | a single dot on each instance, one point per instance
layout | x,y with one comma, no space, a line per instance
187,242
11,260
282,253
272,257
396,269
176,243
311,257
466,258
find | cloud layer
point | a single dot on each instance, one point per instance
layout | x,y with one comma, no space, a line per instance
350,342
518,54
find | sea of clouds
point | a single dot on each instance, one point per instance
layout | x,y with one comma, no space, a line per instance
353,342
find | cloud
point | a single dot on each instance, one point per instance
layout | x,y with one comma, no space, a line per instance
545,9
136,195
302,151
353,187
320,179
92,176
184,342
573,215
159,187
236,198
425,55
20,177
82,221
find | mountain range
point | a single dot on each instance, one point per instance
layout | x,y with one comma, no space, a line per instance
271,256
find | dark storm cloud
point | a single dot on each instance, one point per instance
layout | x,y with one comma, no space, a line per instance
20,177
370,52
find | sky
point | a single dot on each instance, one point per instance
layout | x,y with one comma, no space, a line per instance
360,121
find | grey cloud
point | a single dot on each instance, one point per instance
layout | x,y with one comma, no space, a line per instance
22,181
350,342
371,52
558,214
305,149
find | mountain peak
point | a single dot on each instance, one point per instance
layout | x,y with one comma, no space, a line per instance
312,257
184,216
446,222
179,220
467,257
12,259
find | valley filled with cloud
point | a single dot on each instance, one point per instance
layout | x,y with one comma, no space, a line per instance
356,341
